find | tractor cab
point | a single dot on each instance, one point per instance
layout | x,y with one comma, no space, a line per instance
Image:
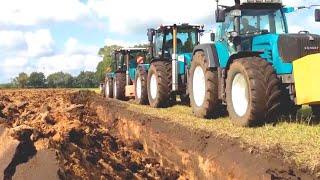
244,22
125,59
170,40
174,44
255,28
125,63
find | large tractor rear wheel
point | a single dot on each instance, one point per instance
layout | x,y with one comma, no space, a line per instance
316,111
253,93
108,88
141,91
119,86
159,84
203,87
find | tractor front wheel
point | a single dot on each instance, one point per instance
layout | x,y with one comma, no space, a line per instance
203,87
119,85
141,91
159,84
253,93
108,88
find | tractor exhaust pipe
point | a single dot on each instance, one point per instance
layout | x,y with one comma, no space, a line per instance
175,65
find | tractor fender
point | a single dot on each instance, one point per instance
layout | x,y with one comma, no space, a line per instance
210,52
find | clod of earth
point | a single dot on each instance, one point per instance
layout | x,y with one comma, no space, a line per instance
58,120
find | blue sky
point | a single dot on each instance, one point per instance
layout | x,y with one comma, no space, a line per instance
65,35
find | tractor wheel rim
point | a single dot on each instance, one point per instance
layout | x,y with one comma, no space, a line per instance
153,86
240,94
115,89
138,87
199,86
107,89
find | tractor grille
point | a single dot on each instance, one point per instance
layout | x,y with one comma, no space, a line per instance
295,46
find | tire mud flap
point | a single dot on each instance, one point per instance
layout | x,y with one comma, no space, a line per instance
306,73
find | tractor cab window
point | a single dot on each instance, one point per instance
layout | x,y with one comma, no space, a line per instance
158,43
120,62
187,39
168,45
266,21
227,27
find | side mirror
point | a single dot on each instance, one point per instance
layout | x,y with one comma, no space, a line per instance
150,35
212,36
288,9
220,15
317,15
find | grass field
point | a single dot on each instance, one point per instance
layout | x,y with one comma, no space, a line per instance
298,137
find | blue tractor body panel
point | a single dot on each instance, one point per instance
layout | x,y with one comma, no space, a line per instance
268,45
183,60
110,75
223,53
133,70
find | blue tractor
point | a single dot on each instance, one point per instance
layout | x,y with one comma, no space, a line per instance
255,68
171,49
128,78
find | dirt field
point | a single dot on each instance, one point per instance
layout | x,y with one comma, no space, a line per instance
67,134
44,135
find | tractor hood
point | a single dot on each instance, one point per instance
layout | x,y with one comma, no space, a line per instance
282,50
295,46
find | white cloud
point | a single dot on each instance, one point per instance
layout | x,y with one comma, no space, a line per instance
126,16
11,66
73,46
10,40
39,42
74,58
67,63
31,12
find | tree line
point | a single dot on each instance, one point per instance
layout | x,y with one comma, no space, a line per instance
86,79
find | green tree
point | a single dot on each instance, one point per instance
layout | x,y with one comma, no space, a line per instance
37,80
60,80
86,79
105,65
22,80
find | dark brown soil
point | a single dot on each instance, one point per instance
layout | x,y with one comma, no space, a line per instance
60,120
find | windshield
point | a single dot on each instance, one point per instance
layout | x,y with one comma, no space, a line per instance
137,57
269,20
187,39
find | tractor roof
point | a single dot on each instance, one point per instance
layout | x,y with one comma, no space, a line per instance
183,25
133,49
256,4
124,50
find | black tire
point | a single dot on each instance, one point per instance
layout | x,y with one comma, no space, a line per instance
316,111
119,85
143,76
263,91
108,86
185,100
162,73
210,104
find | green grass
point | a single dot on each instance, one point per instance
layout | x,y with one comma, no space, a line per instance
299,139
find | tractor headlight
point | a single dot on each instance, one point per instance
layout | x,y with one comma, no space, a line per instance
181,58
